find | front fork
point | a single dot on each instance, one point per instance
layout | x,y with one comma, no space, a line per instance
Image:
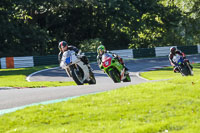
68,71
123,74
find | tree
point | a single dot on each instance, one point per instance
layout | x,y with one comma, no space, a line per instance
35,27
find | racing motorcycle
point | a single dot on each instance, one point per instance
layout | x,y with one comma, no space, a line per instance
76,68
114,69
183,65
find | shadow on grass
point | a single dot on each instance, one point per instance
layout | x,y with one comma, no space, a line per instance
16,72
22,71
197,66
165,69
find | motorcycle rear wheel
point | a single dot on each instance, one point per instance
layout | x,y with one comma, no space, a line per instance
127,79
189,69
92,79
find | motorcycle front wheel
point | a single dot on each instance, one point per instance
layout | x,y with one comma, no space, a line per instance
184,70
77,74
115,76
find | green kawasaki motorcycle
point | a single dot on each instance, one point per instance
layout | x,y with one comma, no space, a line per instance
114,69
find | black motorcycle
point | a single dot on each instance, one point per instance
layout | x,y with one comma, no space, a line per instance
183,65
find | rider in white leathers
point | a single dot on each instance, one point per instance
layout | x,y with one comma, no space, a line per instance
63,47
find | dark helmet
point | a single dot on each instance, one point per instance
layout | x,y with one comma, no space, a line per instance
173,50
62,44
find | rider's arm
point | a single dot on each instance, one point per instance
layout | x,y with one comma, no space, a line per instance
180,53
171,60
99,61
73,48
113,54
63,59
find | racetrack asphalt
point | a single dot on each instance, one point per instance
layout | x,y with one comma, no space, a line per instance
11,97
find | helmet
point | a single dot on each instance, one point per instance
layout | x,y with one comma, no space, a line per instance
173,50
101,49
62,44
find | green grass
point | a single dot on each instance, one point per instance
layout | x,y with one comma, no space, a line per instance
17,78
158,107
167,73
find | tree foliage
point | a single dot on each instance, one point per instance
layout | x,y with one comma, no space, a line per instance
35,27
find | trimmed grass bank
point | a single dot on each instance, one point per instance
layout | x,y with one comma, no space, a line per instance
17,78
167,73
167,106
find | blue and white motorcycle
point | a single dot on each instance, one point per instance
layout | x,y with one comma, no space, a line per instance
183,65
76,68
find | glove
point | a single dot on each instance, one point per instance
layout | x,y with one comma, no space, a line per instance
184,57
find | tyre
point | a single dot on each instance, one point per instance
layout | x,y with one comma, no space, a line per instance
115,76
127,79
189,69
184,70
77,74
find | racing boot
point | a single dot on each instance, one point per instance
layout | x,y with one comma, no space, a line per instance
125,67
176,70
126,72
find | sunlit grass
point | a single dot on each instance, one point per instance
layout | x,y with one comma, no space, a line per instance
167,73
17,78
158,107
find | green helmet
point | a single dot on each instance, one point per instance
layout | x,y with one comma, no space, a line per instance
101,49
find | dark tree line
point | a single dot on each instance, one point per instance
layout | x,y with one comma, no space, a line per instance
34,27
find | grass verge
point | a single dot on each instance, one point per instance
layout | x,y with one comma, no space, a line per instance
17,78
167,106
167,73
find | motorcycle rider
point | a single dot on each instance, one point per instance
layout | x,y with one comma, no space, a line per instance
101,50
63,46
173,52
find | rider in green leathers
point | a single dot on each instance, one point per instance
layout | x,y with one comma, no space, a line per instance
101,50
